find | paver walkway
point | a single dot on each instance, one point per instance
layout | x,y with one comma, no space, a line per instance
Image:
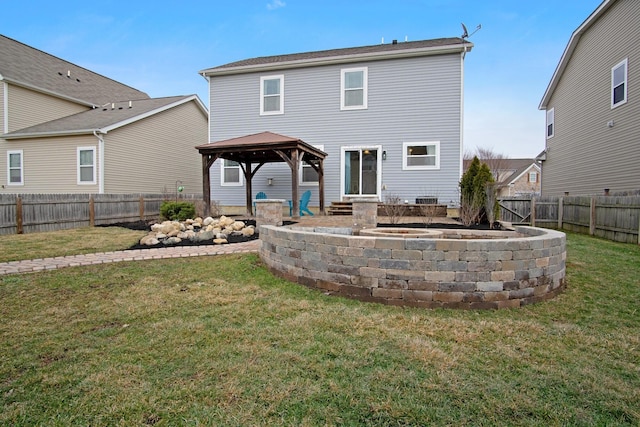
128,255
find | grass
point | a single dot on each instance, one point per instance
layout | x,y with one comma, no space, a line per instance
220,341
66,242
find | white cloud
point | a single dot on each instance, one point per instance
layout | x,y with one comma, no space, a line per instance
276,4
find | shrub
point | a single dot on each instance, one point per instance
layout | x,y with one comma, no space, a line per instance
473,191
177,210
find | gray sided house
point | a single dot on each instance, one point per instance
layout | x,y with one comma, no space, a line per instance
592,106
388,117
65,129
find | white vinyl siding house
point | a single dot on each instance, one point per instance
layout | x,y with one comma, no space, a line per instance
74,131
595,96
360,110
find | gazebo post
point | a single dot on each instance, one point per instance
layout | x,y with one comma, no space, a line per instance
206,187
248,178
321,186
295,197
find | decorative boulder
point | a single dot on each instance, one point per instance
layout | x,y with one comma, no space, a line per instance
171,241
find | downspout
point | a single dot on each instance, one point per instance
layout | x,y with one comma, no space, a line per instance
100,165
462,55
5,118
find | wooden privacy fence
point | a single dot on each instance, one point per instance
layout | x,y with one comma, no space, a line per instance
29,213
611,217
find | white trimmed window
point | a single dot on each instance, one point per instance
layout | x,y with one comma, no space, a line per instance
619,84
421,155
231,173
271,95
308,175
353,88
15,172
86,165
550,123
533,176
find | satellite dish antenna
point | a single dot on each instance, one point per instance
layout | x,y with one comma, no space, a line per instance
465,33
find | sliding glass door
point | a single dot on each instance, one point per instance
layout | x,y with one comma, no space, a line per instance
360,172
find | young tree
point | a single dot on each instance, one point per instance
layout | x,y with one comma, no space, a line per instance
473,187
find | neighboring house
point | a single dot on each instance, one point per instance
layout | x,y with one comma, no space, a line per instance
592,106
388,116
65,129
513,177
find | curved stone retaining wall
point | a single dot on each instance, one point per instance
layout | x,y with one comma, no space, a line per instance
422,272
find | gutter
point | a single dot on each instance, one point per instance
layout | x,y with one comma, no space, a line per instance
333,60
98,134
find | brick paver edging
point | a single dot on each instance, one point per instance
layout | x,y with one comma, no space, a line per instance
28,266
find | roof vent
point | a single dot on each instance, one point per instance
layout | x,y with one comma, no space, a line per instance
69,73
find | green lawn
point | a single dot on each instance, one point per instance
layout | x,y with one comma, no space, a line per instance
66,242
220,341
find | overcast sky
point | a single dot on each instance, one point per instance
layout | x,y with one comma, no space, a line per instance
159,46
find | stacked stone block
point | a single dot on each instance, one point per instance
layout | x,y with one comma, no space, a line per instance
268,212
422,272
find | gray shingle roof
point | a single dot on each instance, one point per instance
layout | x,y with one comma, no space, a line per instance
346,53
27,66
101,118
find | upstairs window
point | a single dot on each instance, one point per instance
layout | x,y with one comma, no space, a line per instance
15,174
86,165
619,84
533,176
550,123
353,89
271,95
231,173
421,155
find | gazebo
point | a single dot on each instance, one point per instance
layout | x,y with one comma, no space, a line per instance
252,152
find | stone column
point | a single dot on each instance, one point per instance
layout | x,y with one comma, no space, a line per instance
365,214
268,212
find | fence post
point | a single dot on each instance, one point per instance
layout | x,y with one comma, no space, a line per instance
560,212
141,207
533,212
19,229
592,217
92,212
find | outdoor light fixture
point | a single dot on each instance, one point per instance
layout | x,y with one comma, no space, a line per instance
269,181
384,155
179,189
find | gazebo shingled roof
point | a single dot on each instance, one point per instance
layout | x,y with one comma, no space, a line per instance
259,149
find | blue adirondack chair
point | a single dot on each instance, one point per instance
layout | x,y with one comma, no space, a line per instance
304,202
260,196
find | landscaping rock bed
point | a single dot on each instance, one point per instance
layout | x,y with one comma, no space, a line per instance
193,232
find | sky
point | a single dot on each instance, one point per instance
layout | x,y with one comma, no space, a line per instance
160,46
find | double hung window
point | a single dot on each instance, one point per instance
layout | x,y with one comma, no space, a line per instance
86,165
271,95
619,84
353,88
15,173
550,123
231,173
